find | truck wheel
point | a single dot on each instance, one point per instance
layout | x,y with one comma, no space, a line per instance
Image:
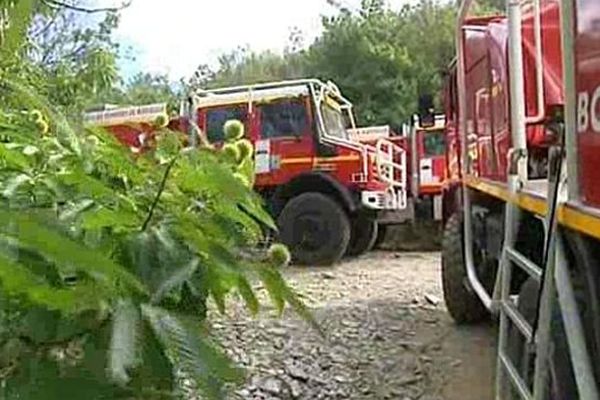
315,228
463,304
381,232
364,235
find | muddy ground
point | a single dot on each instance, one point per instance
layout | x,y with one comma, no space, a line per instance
388,336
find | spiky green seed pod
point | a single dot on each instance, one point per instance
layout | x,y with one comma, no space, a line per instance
233,130
279,255
42,126
161,121
36,115
242,178
246,168
231,152
246,148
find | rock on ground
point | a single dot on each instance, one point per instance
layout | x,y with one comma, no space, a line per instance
387,336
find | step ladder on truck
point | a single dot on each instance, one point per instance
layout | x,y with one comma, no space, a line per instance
327,192
521,202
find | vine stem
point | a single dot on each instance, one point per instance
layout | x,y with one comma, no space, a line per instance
161,189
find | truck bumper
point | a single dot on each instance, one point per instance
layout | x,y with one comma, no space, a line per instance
388,200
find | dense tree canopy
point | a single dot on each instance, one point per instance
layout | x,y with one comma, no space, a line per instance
381,59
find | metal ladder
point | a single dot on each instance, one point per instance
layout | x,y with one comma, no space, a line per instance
555,283
506,305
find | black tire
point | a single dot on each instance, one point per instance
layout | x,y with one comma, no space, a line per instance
363,237
463,304
381,233
315,228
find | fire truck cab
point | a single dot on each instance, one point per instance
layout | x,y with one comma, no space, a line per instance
328,192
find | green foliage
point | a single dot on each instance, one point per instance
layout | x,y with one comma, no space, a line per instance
231,152
146,88
245,148
107,260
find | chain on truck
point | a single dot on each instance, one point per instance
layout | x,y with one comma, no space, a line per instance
521,202
328,192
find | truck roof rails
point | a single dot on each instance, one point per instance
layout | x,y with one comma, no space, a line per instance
258,86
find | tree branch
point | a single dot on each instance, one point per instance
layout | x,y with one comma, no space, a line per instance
161,189
60,4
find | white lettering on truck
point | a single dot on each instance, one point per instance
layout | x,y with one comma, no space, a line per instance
588,112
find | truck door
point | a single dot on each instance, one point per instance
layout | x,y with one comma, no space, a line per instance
285,145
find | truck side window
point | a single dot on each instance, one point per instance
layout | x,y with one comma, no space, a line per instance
216,118
434,143
283,119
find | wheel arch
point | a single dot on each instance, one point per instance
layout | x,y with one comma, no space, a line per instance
313,182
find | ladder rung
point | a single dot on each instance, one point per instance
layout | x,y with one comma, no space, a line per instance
525,263
514,377
517,319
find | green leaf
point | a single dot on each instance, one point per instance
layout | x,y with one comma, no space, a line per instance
74,210
119,220
86,184
65,252
247,294
29,97
281,293
18,281
123,351
176,280
19,15
14,158
14,184
275,286
190,354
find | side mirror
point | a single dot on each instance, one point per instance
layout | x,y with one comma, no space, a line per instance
426,111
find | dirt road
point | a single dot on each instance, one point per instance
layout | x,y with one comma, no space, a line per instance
388,336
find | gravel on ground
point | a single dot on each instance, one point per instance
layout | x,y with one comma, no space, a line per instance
387,336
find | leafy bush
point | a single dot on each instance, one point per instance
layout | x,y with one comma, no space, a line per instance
107,258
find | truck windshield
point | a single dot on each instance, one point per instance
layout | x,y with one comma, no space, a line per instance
434,143
334,121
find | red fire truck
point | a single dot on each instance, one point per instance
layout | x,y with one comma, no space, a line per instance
522,201
329,193
428,165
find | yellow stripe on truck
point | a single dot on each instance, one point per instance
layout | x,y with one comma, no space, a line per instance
303,160
571,215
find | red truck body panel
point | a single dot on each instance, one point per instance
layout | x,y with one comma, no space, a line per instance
488,94
587,72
